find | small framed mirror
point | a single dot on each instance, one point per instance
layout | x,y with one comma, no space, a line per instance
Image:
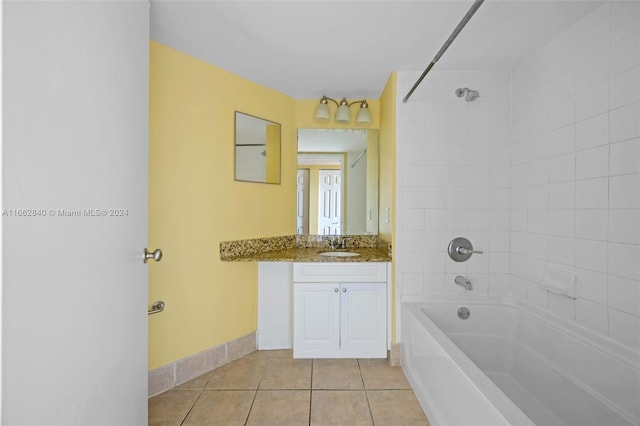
257,149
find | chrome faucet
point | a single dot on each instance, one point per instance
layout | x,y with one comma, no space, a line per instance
343,244
337,244
462,281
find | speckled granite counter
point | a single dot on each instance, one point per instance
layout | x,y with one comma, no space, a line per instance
303,248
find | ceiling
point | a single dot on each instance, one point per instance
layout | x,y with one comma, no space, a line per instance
307,48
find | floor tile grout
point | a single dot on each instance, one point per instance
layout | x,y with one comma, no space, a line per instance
313,364
253,401
311,391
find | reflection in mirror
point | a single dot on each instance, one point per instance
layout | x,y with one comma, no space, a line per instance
257,144
337,182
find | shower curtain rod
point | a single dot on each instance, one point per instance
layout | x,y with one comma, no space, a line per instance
359,157
476,4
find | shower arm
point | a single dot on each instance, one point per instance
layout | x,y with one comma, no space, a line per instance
474,7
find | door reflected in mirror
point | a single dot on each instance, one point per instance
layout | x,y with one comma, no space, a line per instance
257,149
337,182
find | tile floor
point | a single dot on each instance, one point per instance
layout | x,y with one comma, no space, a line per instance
272,388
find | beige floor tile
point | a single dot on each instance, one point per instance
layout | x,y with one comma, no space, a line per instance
225,407
280,407
378,374
339,408
171,407
396,407
239,374
196,384
336,374
280,353
257,355
281,373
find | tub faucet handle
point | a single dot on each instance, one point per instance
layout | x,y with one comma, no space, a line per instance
461,249
464,250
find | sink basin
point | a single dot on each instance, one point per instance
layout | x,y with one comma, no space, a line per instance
339,254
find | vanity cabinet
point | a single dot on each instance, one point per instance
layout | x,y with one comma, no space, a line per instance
340,310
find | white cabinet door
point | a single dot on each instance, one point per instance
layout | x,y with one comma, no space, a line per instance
316,313
347,320
363,319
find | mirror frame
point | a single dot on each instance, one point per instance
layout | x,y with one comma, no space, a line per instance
273,180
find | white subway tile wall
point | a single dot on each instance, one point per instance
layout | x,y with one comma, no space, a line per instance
542,170
454,179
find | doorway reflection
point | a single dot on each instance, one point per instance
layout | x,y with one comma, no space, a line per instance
337,191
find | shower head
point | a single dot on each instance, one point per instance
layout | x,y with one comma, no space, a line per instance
472,95
461,92
469,95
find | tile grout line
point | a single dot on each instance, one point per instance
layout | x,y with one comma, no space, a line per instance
194,402
199,396
311,390
200,390
366,393
255,395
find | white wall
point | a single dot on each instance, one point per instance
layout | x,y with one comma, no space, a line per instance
356,196
251,165
453,180
1,198
557,184
575,200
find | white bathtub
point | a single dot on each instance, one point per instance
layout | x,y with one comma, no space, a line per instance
508,365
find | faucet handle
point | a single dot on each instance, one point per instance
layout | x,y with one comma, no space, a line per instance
332,242
344,241
465,250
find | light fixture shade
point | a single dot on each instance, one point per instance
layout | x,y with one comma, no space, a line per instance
322,112
364,116
343,114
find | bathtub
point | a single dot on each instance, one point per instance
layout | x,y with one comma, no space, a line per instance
508,364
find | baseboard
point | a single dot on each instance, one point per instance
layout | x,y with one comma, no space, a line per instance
168,376
395,355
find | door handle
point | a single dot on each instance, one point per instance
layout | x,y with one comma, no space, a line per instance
156,308
155,255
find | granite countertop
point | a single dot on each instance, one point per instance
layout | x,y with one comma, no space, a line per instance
312,255
304,248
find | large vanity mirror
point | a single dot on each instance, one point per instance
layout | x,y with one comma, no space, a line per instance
337,183
257,143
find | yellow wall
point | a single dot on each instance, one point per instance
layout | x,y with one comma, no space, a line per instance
388,174
194,202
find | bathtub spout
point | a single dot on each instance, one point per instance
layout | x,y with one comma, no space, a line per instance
462,281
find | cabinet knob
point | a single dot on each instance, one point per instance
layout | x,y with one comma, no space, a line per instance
344,290
335,290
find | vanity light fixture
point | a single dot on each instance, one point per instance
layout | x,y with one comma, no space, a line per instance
343,114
